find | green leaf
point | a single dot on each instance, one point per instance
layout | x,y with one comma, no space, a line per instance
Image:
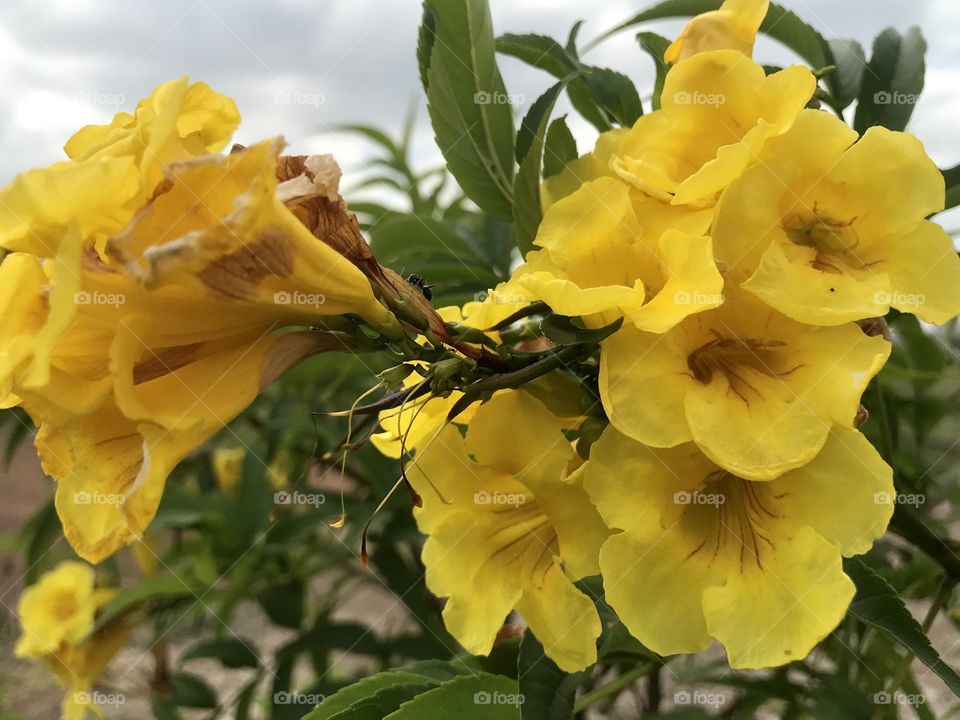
539,51
548,692
425,38
656,46
283,603
355,693
559,148
951,179
851,60
479,697
527,209
877,604
615,94
468,103
562,331
38,535
383,701
893,80
160,590
190,691
231,652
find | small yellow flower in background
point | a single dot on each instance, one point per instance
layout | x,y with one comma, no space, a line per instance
733,27
227,466
506,532
57,616
755,390
57,609
705,554
718,111
610,251
830,229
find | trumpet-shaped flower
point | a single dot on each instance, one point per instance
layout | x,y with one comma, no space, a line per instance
733,26
756,391
718,110
610,251
703,553
506,532
830,229
113,168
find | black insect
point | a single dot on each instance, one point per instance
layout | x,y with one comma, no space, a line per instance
421,284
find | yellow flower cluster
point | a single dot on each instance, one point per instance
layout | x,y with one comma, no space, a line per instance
739,235
57,615
145,280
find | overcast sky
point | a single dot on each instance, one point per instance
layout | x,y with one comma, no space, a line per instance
299,67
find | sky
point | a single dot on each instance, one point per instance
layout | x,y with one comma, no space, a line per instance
300,68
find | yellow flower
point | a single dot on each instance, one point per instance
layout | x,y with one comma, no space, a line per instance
829,229
113,168
59,608
129,365
506,532
718,110
706,554
756,391
733,27
57,614
610,251
227,466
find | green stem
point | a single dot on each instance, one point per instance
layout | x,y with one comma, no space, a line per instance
614,686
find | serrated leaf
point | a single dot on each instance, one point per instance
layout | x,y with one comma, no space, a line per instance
468,104
383,701
878,604
559,148
479,697
231,652
893,80
527,210
548,692
656,46
851,60
615,94
367,687
540,51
